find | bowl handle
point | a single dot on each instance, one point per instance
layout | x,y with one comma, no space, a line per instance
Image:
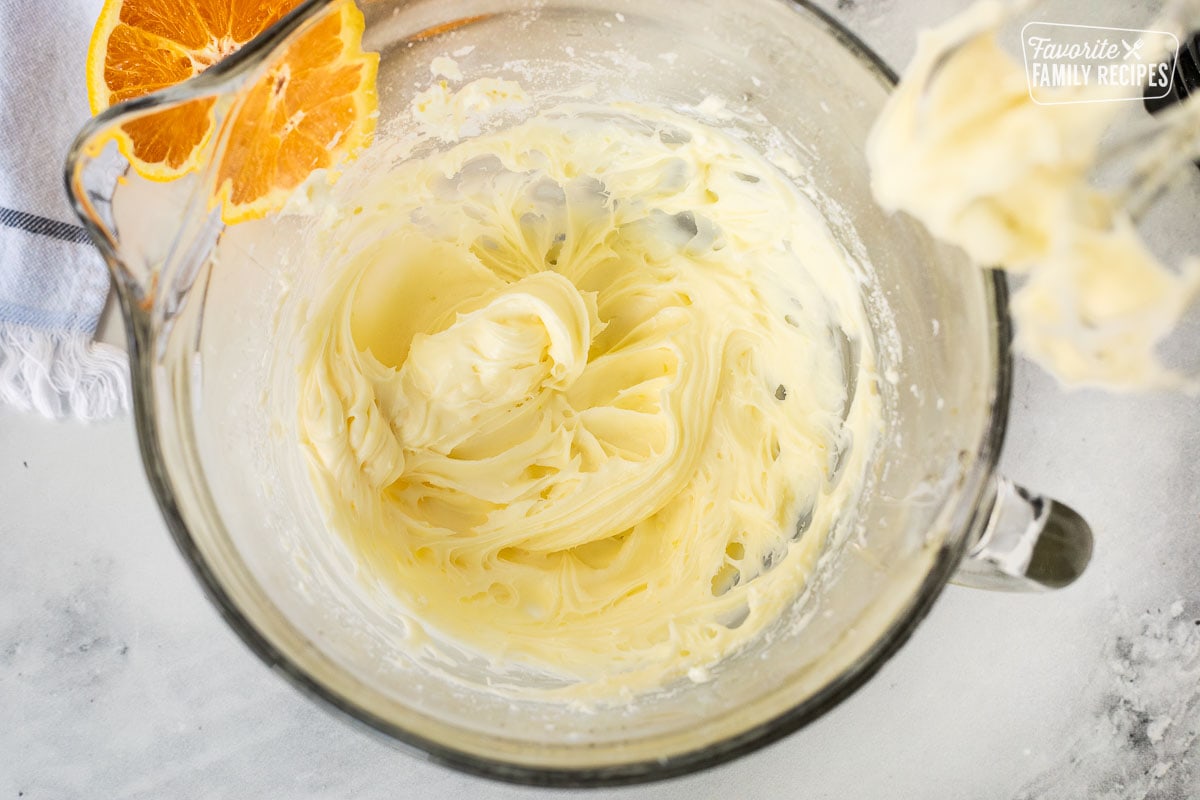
1029,543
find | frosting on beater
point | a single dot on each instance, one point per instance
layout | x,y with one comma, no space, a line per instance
962,146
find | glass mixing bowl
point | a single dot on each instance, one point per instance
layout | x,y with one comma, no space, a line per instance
201,303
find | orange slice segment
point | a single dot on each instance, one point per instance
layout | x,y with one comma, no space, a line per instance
313,106
141,46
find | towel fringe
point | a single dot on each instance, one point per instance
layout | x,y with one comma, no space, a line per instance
61,374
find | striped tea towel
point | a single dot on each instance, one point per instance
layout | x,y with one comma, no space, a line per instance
53,283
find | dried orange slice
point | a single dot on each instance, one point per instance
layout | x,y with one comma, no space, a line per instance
313,106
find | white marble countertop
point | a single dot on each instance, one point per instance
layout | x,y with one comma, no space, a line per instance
119,680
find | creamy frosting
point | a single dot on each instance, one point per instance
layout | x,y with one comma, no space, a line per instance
585,394
962,146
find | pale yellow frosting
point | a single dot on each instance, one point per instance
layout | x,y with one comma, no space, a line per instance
577,392
963,147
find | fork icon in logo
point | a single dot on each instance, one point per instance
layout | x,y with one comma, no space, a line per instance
1132,50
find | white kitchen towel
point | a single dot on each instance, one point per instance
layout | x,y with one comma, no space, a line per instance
53,282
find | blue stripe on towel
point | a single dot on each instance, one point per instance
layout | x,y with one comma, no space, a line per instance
11,218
